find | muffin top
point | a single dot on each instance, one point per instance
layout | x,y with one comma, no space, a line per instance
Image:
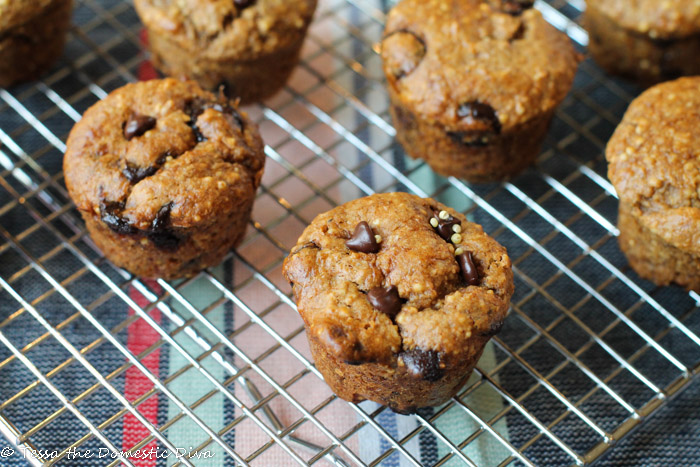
654,158
218,29
659,19
14,13
368,299
162,150
474,65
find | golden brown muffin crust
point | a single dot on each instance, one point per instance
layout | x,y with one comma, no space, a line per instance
439,311
442,54
198,155
657,18
654,159
219,29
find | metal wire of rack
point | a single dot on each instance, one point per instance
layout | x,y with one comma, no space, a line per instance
587,354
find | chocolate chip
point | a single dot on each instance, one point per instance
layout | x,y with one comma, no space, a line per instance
493,329
195,107
227,20
469,271
160,232
516,7
304,247
385,300
243,3
482,122
137,125
110,213
363,240
423,363
445,226
135,174
403,51
518,34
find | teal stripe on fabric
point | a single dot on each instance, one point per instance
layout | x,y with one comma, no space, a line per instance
192,385
457,425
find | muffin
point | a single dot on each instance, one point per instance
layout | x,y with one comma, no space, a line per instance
164,175
249,46
32,36
473,84
654,159
646,40
399,296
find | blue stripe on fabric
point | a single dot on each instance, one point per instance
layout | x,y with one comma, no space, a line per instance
427,441
387,420
229,408
163,401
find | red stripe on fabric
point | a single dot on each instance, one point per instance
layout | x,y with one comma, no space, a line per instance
146,69
140,336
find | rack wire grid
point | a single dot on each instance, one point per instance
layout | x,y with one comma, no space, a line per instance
588,352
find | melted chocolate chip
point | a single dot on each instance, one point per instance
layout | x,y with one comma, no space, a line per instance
161,233
135,174
110,213
518,34
403,51
423,363
137,125
516,7
493,329
362,239
227,20
243,3
305,246
469,271
196,107
444,228
482,122
385,300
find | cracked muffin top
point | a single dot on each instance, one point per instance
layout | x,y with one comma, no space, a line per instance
162,145
654,158
662,19
380,275
474,64
218,29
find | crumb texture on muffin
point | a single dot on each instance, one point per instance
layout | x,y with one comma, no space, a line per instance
165,175
217,29
658,19
438,312
654,160
196,154
474,65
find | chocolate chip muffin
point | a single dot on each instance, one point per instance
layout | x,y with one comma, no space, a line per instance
654,159
250,46
646,40
32,36
164,175
473,84
399,295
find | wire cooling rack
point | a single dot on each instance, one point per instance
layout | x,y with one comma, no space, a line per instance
588,352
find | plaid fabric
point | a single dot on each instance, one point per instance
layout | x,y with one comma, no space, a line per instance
105,40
